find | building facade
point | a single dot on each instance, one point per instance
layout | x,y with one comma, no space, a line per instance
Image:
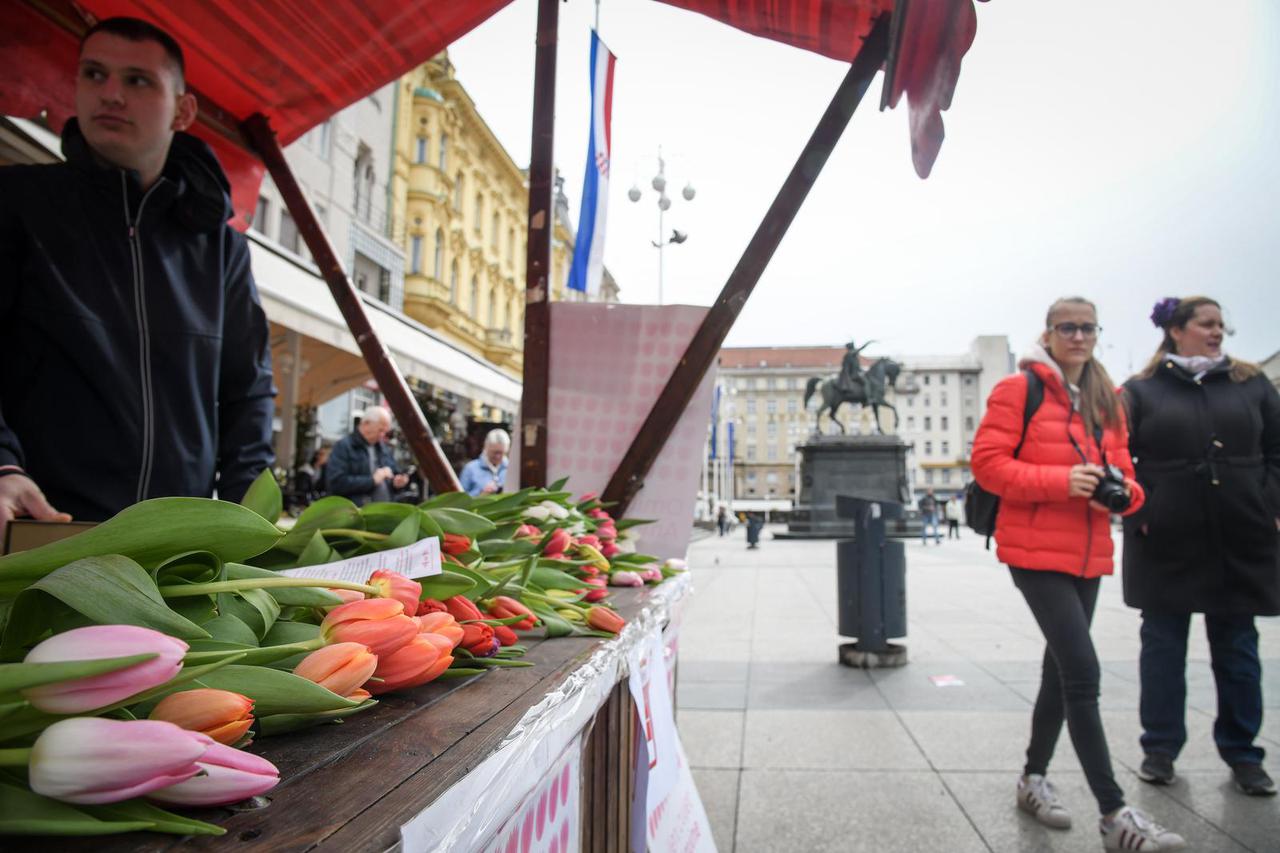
762,417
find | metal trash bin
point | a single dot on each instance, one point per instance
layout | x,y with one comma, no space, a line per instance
871,584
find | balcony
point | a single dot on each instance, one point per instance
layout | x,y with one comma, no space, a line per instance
500,347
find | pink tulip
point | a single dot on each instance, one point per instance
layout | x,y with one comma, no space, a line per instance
589,539
625,579
559,540
528,531
228,775
94,643
609,550
93,760
654,574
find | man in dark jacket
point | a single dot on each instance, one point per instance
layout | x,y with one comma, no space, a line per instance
361,466
136,355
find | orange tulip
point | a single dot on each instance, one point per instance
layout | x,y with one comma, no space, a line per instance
341,667
378,623
395,585
220,714
463,609
348,595
417,662
604,619
504,607
359,695
440,623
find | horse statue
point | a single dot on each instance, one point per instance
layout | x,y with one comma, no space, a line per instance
873,383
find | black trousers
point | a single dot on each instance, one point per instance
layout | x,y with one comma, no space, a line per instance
1069,681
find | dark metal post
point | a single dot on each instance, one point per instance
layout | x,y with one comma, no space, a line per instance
537,311
421,441
628,479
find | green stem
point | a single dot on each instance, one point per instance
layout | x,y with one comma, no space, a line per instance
18,757
351,533
191,589
292,648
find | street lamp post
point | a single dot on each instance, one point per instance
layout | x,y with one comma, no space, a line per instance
659,184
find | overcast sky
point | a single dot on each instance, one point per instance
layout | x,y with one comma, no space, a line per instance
1121,150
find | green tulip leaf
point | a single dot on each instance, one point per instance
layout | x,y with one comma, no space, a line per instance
482,583
24,812
19,676
149,533
264,497
429,526
278,724
624,523
555,624
384,517
496,549
254,607
448,499
460,672
333,512
159,819
190,567
226,628
276,692
446,585
460,521
404,535
108,590
285,633
317,552
555,579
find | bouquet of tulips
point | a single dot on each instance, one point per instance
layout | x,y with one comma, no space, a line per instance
141,655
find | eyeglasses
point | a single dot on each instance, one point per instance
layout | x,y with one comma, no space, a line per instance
1069,330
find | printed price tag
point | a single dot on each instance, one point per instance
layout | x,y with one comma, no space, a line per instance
419,560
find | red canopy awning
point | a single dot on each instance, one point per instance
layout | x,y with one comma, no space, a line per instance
296,61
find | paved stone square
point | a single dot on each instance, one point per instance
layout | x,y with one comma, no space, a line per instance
793,752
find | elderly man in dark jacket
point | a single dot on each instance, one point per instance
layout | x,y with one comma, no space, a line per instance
361,466
136,355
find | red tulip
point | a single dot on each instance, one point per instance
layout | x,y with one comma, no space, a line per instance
589,539
479,639
220,714
588,496
609,550
589,570
455,544
504,607
431,605
597,589
340,668
395,585
528,531
558,555
226,776
463,609
559,541
442,624
597,512
505,635
417,662
95,642
378,623
604,619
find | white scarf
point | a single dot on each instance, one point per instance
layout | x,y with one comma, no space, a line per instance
1197,365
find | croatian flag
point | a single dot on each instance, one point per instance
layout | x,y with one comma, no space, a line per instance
588,250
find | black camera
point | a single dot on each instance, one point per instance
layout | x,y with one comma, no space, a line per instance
1110,491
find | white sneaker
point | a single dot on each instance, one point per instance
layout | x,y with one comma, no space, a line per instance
1131,829
1037,797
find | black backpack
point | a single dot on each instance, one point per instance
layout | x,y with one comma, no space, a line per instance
980,506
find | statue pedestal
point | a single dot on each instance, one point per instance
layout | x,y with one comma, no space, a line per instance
872,466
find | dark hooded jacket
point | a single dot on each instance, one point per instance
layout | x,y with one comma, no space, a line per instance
1207,451
136,356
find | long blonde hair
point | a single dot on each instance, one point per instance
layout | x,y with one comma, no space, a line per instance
1099,403
1182,314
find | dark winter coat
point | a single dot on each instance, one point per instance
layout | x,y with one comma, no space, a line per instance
347,472
136,359
1208,453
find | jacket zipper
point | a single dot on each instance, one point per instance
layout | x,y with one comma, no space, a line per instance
144,336
1088,511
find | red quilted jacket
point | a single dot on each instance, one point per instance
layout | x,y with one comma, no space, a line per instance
1039,527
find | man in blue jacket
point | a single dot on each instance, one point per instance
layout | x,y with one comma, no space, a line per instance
136,355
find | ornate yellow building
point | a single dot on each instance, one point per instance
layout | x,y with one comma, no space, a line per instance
459,204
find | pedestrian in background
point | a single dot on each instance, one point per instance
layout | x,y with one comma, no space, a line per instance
487,473
1206,438
361,466
1056,539
952,513
928,505
722,520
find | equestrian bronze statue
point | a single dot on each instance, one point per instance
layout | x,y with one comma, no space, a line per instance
854,385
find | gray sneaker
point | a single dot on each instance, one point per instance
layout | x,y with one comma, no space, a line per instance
1037,797
1130,829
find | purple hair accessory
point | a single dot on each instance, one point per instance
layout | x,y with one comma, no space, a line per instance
1162,313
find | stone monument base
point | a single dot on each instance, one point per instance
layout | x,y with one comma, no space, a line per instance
871,466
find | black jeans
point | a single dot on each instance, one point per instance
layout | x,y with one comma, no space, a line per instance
1069,681
1233,648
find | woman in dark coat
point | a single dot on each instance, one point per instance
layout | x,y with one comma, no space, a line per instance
1205,436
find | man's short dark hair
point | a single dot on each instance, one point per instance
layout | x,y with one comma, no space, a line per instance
136,29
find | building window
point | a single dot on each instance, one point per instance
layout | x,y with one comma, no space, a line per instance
420,156
968,449
479,213
928,477
791,383
911,422
511,245
751,427
946,448
372,278
475,298
760,383
772,429
437,264
494,225
926,400
928,448
770,383
771,406
944,421
792,405
260,214
928,423
415,254
444,152
744,383
943,400
751,453
771,478
946,475
493,306
942,379
458,183
968,422
751,476
453,282
288,232
751,406
968,380
772,454
364,180
926,379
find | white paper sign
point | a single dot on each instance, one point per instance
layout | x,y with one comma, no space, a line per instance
419,560
549,819
679,822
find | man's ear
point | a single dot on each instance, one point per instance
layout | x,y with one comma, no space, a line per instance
186,114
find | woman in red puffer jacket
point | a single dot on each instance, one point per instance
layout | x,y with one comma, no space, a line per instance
1056,539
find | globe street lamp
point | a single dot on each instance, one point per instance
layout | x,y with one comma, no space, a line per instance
659,184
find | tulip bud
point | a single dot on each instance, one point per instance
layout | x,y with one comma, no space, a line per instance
609,550
625,579
431,605
604,619
606,531
227,776
588,496
559,541
597,512
479,639
455,544
395,585
589,571
558,555
504,607
378,623
94,643
348,595
587,552
443,624
220,714
537,513
654,575
339,668
555,510
589,539
93,760
505,635
463,609
571,614
676,565
415,663
528,531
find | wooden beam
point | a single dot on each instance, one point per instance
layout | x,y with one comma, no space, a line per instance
431,459
628,479
537,312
